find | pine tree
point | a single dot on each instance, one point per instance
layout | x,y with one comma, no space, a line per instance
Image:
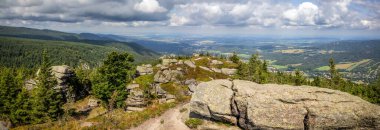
254,68
265,66
10,86
242,71
22,114
112,77
298,78
47,101
317,81
235,58
334,74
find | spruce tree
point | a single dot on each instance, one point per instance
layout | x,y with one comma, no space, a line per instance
254,68
10,86
317,81
298,78
22,114
242,71
112,77
334,74
47,101
235,58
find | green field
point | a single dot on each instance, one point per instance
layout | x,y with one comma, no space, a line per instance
280,67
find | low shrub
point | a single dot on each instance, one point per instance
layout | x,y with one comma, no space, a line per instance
193,122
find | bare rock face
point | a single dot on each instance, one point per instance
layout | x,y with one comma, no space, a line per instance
4,125
213,100
30,84
144,69
161,94
166,62
216,70
93,103
271,106
135,100
189,63
62,74
228,71
205,68
166,75
216,62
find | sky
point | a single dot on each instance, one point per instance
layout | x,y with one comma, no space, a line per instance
292,18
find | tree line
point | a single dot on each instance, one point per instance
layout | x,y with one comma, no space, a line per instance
44,102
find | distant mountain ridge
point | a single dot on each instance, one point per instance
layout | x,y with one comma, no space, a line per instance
15,38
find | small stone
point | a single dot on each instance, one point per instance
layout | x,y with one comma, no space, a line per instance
93,102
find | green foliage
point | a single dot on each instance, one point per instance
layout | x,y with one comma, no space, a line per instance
317,82
242,71
202,75
20,52
47,100
298,78
255,71
235,58
10,87
334,74
177,90
193,122
112,77
145,81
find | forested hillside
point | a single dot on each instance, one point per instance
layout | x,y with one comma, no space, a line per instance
21,52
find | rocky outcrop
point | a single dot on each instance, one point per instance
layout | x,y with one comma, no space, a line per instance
189,63
191,83
167,75
166,62
135,100
62,73
4,125
180,62
144,69
162,95
216,62
67,83
93,102
213,100
228,71
65,77
271,106
205,68
216,70
30,84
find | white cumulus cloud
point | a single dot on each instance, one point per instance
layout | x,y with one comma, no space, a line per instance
149,6
305,14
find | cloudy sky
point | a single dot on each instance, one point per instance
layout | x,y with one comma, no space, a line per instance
250,17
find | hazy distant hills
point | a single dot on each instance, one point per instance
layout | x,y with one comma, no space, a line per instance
21,46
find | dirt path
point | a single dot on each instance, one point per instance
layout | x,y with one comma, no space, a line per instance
170,120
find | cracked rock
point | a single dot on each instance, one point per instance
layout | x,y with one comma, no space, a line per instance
272,106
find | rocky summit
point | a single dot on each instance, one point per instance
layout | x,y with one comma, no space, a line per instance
271,106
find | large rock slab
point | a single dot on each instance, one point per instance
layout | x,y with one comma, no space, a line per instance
272,106
189,63
228,71
166,75
166,62
144,69
213,100
62,74
216,62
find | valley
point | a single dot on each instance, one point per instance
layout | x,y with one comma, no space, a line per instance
308,55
